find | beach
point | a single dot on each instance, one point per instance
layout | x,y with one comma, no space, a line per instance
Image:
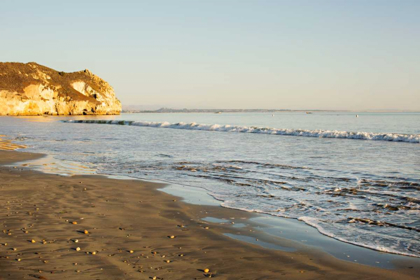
93,227
210,139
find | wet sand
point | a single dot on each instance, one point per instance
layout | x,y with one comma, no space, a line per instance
8,145
93,227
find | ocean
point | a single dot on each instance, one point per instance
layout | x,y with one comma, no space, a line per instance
353,178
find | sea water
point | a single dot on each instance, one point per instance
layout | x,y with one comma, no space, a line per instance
355,179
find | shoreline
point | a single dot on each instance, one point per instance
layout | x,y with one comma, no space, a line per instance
124,215
284,230
292,233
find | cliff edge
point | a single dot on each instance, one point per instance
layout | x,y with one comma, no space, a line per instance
31,89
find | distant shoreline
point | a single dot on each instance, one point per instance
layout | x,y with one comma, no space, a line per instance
215,111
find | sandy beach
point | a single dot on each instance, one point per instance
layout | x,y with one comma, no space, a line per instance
92,227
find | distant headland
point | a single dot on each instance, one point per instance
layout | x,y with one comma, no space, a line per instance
30,89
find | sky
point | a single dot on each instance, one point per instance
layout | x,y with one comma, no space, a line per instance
268,54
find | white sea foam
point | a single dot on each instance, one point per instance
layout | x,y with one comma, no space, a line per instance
316,223
395,137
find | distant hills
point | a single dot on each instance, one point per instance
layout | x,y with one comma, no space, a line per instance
172,110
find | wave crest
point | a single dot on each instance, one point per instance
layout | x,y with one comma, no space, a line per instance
394,137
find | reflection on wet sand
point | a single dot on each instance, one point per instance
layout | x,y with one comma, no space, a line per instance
51,165
8,145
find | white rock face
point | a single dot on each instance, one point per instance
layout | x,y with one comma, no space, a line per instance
33,89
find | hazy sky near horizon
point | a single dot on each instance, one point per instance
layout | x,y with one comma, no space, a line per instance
296,54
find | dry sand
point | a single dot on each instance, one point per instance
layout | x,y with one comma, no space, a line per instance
129,226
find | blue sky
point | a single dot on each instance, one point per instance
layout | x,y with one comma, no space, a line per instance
312,54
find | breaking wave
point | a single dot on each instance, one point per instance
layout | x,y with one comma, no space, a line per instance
395,137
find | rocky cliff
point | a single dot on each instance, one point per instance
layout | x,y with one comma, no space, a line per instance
32,89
